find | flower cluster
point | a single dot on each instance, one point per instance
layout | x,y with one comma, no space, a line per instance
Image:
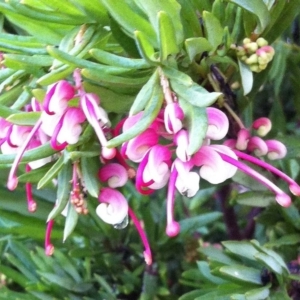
256,54
160,153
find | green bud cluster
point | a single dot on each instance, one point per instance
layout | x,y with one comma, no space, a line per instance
255,54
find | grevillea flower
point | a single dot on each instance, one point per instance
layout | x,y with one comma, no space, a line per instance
212,167
113,207
136,148
153,171
217,124
262,125
98,119
173,116
187,182
57,97
114,174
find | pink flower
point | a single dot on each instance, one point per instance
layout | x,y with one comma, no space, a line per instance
262,125
113,207
276,150
115,175
212,167
57,97
136,148
173,116
218,124
187,182
153,171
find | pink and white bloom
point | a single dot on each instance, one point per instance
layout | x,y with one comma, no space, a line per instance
173,117
57,97
262,125
153,171
217,122
276,149
113,207
114,174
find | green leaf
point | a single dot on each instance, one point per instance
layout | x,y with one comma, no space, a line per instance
171,7
118,61
195,46
56,75
52,173
258,8
194,223
145,48
241,248
214,30
149,114
82,63
258,294
30,155
246,76
130,20
111,101
256,199
179,76
217,255
167,36
63,190
269,262
195,119
89,169
195,94
112,81
205,271
242,274
144,95
71,221
24,118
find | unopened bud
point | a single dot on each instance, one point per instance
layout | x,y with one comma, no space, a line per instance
261,42
255,68
246,41
253,59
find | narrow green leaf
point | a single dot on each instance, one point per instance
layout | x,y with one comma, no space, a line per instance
6,111
145,48
247,77
118,61
30,155
149,114
206,273
269,262
63,190
56,75
195,94
52,173
195,46
195,119
129,19
179,76
144,95
258,294
71,221
82,63
25,118
258,8
242,274
192,224
89,169
167,36
152,8
112,80
256,199
214,30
